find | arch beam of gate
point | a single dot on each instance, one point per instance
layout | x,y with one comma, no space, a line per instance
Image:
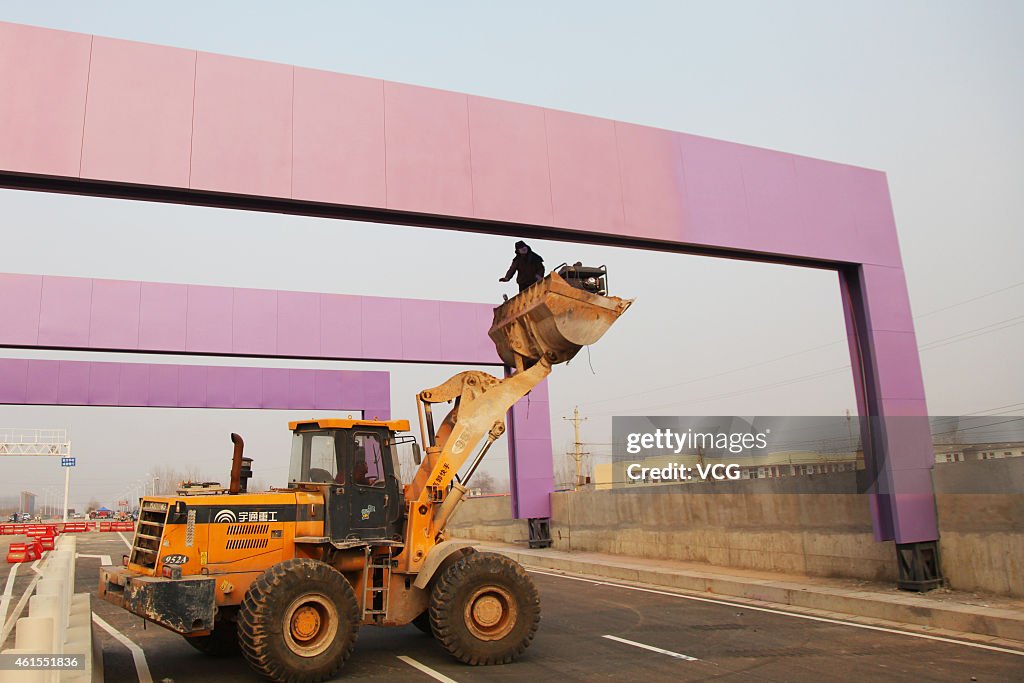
107,117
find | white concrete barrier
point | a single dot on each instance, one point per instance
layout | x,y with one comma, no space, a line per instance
59,623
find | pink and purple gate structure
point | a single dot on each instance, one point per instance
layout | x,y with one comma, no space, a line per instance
97,116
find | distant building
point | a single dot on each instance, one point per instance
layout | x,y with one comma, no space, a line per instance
28,502
963,452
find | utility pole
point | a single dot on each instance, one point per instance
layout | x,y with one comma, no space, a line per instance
577,453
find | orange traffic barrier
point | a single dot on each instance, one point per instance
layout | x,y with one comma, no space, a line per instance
17,552
46,542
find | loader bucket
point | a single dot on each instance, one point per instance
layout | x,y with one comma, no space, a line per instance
552,320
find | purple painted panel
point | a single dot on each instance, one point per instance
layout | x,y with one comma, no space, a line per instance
114,314
192,386
20,297
509,149
382,328
586,191
298,324
715,210
103,382
163,386
532,418
830,209
302,387
220,386
13,380
275,388
775,220
428,163
43,381
163,317
44,76
877,224
899,407
914,514
898,366
420,330
64,311
653,187
135,385
338,118
255,322
138,118
72,383
341,322
377,400
242,131
248,388
889,304
455,319
209,319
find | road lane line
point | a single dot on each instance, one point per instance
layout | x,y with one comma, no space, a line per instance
436,675
8,592
105,559
789,614
126,541
652,648
138,656
17,608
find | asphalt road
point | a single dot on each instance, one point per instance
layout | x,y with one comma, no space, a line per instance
591,630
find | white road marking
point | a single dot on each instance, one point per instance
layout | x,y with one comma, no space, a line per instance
17,608
652,648
436,675
8,592
788,614
138,656
126,541
104,559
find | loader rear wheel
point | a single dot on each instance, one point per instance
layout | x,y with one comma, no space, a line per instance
222,641
484,609
298,622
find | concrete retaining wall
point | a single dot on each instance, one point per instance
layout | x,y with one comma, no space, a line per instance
807,525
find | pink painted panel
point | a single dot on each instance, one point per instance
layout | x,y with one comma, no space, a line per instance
898,365
338,119
876,223
163,316
45,75
341,322
715,210
382,327
255,321
64,312
775,220
420,327
830,209
914,513
248,388
114,314
886,292
508,144
586,190
242,136
484,346
138,118
103,382
192,385
163,386
220,386
329,390
653,187
209,319
73,383
43,382
532,419
275,388
13,380
377,400
134,389
904,407
428,157
455,319
302,387
20,297
298,324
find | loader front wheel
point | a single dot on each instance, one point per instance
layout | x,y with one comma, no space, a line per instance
298,622
484,609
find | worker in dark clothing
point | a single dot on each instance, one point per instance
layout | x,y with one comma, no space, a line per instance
528,264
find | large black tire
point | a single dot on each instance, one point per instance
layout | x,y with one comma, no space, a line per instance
484,609
222,642
298,622
422,622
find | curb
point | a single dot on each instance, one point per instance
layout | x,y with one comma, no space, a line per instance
988,622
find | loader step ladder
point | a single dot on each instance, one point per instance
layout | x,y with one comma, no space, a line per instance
375,588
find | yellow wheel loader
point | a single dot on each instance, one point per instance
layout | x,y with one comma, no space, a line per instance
288,576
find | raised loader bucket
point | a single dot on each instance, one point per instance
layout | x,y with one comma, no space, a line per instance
553,320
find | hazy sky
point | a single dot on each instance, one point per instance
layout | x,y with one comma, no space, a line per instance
930,92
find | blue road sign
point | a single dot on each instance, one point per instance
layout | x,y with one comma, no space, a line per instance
67,462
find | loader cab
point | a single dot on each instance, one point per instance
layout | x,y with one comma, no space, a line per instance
354,463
